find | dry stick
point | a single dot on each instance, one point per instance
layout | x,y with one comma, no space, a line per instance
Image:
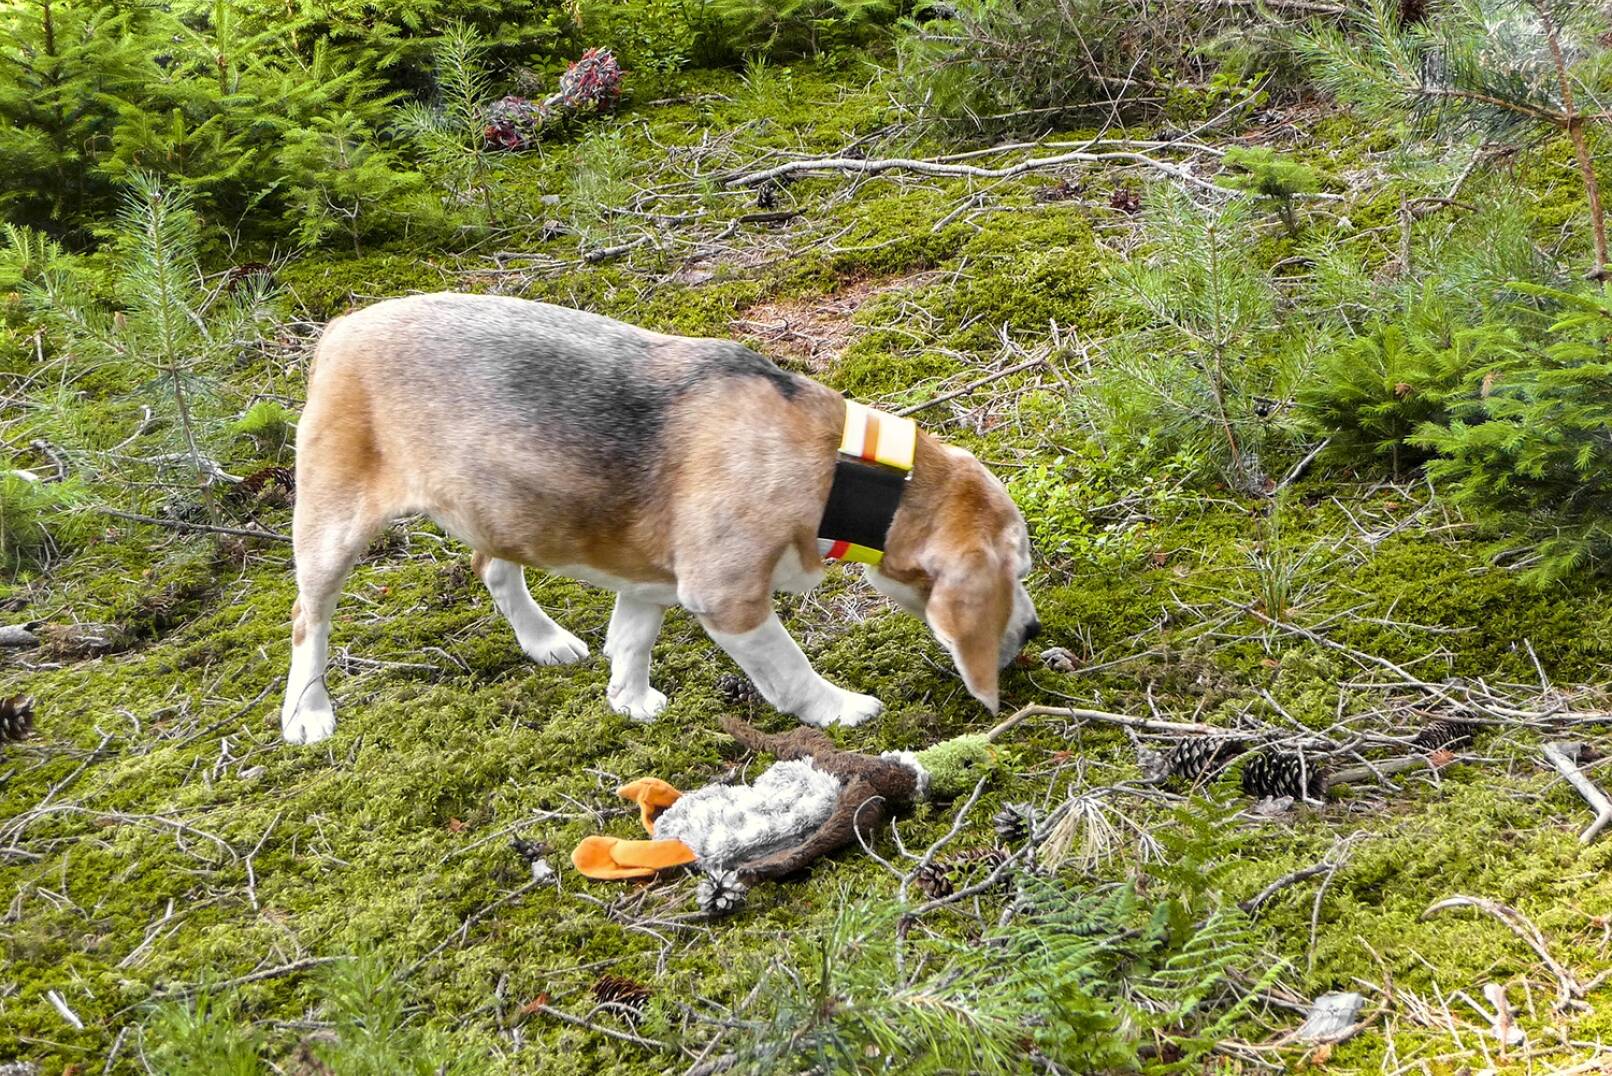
18,636
936,168
1252,904
182,525
1574,123
1563,756
972,385
637,1040
256,976
1145,724
1356,774
464,928
1569,989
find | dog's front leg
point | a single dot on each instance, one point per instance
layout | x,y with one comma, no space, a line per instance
785,678
633,628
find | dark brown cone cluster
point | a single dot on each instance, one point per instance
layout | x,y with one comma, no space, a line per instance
934,880
16,718
736,690
1201,757
630,998
1445,732
1275,774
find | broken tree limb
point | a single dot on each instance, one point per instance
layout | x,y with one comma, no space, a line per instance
206,528
1569,991
1103,716
1019,368
18,636
1564,756
1356,774
943,168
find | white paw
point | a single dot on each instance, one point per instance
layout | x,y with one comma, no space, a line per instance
311,723
558,647
844,708
642,705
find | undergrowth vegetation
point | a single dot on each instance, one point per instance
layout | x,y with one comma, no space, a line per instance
1274,322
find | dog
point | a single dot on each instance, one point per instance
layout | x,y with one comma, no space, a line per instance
671,470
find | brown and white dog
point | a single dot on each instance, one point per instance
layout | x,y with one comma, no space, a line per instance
670,470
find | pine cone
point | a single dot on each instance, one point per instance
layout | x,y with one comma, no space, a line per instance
269,485
1275,774
531,851
16,718
934,881
720,893
628,998
1192,760
737,690
1445,732
1015,822
979,862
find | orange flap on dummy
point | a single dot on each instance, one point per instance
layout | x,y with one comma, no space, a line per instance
610,858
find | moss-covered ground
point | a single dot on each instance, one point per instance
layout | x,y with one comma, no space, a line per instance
160,838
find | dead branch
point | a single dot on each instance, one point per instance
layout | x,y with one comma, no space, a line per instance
1564,756
257,976
182,525
1145,724
923,167
1570,991
18,636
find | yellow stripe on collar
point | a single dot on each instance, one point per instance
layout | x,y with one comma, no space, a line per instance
875,460
878,437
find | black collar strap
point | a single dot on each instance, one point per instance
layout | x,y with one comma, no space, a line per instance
870,475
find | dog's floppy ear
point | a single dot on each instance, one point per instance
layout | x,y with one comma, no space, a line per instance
968,611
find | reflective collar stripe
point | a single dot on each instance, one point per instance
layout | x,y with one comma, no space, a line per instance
875,459
877,437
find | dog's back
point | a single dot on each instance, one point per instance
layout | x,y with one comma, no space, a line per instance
446,399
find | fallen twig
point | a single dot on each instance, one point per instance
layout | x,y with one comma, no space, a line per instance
1569,991
18,636
184,525
1564,756
1144,723
940,168
257,976
972,385
578,1021
1252,904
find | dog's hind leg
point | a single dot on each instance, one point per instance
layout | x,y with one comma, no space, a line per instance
544,641
633,628
329,535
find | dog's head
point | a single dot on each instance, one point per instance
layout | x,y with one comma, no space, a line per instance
959,563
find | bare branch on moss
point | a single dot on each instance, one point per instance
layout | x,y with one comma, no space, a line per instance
1570,991
185,525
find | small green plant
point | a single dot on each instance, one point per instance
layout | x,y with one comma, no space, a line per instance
600,182
799,27
374,1032
1206,366
1528,450
767,87
1370,394
449,135
343,180
36,521
269,425
166,324
1083,980
203,1036
1512,72
1277,179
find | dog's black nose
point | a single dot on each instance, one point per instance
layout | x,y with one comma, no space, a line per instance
1032,630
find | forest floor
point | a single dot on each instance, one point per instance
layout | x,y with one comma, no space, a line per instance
158,840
